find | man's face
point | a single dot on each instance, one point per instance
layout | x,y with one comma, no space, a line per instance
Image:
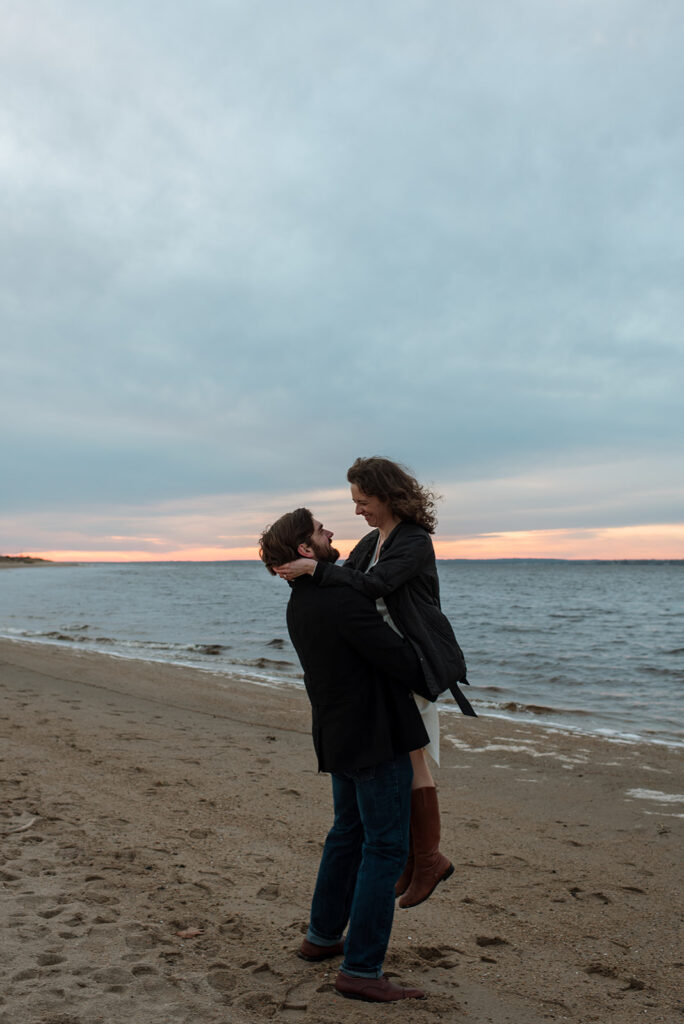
320,544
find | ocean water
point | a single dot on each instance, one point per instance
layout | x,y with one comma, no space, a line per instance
595,647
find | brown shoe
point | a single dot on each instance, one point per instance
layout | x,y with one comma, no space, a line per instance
374,990
430,867
315,954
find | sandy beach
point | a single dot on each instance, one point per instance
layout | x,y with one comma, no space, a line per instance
161,833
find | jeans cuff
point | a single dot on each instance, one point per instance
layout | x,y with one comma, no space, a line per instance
318,940
377,973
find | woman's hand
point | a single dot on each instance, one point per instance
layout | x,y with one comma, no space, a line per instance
300,567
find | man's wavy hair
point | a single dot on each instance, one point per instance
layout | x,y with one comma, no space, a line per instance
391,482
278,543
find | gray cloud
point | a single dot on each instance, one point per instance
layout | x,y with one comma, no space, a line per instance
243,244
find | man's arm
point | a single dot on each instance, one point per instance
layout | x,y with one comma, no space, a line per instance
377,643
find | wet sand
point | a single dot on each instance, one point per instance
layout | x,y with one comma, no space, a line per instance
140,801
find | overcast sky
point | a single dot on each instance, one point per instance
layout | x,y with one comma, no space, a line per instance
243,242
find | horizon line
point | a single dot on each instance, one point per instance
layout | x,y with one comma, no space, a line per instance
34,559
653,542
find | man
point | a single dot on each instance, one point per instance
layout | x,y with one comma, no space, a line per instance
358,673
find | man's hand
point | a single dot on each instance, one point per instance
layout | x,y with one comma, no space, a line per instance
300,567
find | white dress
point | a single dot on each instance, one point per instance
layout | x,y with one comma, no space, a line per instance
428,709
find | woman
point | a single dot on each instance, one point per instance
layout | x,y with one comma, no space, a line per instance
395,565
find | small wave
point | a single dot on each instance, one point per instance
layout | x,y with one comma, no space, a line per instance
656,670
212,649
276,642
538,709
265,663
517,629
655,794
64,637
155,645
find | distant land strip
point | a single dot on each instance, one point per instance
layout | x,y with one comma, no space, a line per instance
8,561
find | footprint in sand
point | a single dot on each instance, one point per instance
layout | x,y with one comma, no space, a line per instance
263,968
31,901
54,912
143,970
259,1003
140,936
221,980
298,998
232,926
49,959
437,956
118,976
30,932
28,974
107,918
199,833
159,987
604,970
269,892
101,899
291,1008
61,1018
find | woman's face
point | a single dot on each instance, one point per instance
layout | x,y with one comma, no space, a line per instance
374,510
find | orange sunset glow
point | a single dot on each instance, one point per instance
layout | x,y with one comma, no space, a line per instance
661,541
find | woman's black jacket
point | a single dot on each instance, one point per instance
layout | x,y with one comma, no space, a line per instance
405,575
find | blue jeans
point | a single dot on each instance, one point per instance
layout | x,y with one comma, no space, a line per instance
364,854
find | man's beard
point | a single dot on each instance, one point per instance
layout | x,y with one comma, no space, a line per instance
325,554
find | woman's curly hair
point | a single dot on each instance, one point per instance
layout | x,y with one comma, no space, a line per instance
391,482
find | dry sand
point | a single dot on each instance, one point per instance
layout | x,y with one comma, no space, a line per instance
141,800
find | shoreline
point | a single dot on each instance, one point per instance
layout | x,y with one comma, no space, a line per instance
144,800
271,681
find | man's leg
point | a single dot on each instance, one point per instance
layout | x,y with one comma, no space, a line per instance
383,795
334,892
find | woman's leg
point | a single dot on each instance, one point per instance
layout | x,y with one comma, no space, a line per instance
422,776
426,866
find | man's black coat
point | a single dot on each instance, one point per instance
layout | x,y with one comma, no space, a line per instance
358,674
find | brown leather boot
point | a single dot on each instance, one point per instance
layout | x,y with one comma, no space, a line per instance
430,867
407,874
